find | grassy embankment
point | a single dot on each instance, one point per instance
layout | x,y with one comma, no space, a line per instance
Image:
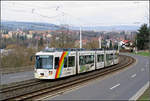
143,53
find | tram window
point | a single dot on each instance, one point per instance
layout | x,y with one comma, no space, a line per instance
106,56
82,60
88,59
100,58
44,62
116,56
56,62
91,59
65,62
71,61
111,56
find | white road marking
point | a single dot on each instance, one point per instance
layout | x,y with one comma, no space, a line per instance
147,64
140,92
115,86
134,75
142,69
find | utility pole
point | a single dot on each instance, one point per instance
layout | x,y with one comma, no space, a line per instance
100,46
136,46
80,38
0,59
47,42
118,47
37,47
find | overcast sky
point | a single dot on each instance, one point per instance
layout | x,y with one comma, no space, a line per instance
85,13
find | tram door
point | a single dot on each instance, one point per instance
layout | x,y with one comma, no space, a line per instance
69,65
64,70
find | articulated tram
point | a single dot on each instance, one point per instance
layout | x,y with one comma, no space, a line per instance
57,63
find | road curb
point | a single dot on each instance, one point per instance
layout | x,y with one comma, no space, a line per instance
140,92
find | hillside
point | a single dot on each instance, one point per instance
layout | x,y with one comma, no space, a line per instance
13,25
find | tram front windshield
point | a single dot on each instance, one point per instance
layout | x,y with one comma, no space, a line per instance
44,62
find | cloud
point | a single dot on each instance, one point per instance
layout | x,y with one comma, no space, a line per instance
89,12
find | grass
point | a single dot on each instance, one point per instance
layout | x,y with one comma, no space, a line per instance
143,53
145,96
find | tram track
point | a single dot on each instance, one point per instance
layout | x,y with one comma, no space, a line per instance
36,88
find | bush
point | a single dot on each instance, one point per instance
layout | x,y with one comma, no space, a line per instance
20,56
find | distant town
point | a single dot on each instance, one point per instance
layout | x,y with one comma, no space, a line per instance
123,37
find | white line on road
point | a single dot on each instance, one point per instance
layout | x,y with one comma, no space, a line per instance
115,86
134,75
142,69
147,64
140,92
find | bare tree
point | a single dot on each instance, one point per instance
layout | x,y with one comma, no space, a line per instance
62,39
91,44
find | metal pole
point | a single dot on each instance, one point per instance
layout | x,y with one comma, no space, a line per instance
80,38
0,58
37,45
47,42
136,47
100,46
118,47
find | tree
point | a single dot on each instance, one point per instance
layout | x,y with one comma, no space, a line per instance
62,39
143,37
18,56
91,44
41,42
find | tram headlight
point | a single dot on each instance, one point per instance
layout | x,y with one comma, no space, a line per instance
50,72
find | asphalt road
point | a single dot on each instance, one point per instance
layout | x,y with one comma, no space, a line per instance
16,77
118,86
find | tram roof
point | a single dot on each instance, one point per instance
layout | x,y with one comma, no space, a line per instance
63,49
70,49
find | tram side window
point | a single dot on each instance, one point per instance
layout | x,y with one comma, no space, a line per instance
82,60
116,56
111,56
107,56
56,62
100,58
65,62
71,61
89,59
